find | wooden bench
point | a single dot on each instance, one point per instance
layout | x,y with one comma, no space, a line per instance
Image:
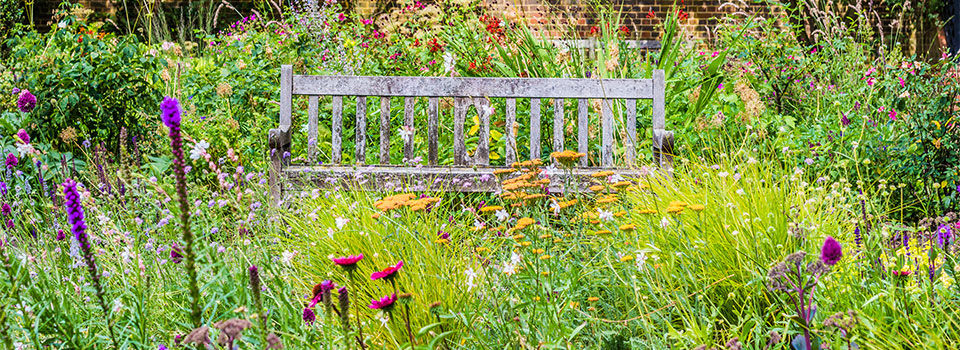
469,172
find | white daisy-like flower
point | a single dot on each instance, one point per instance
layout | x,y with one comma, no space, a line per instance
502,215
341,222
604,215
199,149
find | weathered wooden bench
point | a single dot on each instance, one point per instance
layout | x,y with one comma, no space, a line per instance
469,172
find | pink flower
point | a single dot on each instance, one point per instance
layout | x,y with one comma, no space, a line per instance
893,115
349,261
341,17
366,21
387,273
385,303
902,83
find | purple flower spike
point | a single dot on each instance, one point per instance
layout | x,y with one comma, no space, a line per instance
170,112
26,102
11,161
24,136
831,251
308,315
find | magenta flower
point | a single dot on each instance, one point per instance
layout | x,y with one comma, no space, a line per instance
348,262
893,115
831,251
26,102
170,112
175,255
387,273
323,287
308,315
24,136
11,161
386,303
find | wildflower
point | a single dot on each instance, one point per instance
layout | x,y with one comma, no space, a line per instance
387,273
26,102
944,235
604,214
502,215
490,208
23,136
199,336
230,331
175,255
567,157
831,252
11,161
273,341
308,315
626,258
593,299
386,303
602,232
696,207
199,149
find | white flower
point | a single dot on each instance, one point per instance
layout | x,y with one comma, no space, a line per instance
477,224
24,149
752,160
487,110
287,256
508,269
604,214
62,25
449,62
615,178
554,206
406,133
740,191
117,305
471,275
199,149
664,222
502,215
341,222
515,258
723,174
641,260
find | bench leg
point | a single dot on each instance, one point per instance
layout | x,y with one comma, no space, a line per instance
663,149
279,143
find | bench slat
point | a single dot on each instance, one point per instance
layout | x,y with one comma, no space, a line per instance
336,131
534,128
583,131
384,130
313,108
483,144
432,123
606,124
631,142
459,117
286,98
361,132
408,108
557,124
472,87
511,116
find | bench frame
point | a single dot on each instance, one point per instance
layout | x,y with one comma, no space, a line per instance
466,92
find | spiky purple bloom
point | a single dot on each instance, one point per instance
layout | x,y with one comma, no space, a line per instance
11,161
944,236
26,102
308,315
5,209
23,136
60,235
857,237
78,227
170,114
831,252
175,255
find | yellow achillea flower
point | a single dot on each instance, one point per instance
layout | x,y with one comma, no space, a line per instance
622,184
697,207
545,273
538,251
490,208
442,241
678,204
626,258
674,210
628,227
620,214
601,174
567,157
596,188
602,232
518,237
535,196
504,171
593,299
525,243
647,211
606,199
546,257
482,249
545,236
557,240
524,222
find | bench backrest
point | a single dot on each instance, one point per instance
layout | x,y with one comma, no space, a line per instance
467,91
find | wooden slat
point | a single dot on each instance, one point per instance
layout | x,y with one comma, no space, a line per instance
511,116
482,157
408,107
557,124
606,125
583,131
312,125
384,129
631,142
471,87
459,117
336,131
433,106
659,102
286,97
534,128
361,133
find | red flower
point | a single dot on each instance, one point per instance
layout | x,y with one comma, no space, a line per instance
682,15
624,30
651,14
434,45
473,66
594,30
387,273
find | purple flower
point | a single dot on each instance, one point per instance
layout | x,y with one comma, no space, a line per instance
5,209
170,112
10,224
944,235
26,102
24,136
175,255
60,235
348,262
308,315
11,161
322,288
831,251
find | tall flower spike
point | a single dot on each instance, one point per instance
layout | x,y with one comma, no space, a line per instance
78,227
831,252
170,114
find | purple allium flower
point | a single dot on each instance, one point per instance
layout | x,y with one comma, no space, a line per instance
831,251
844,120
24,136
10,224
175,255
5,209
26,102
60,235
308,315
386,303
11,161
388,273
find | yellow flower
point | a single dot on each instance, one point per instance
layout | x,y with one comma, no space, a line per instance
482,249
607,199
567,157
674,210
697,207
536,298
620,214
545,257
622,184
518,237
557,240
626,258
574,304
545,273
678,204
545,236
538,251
375,216
602,232
524,222
628,227
525,243
441,241
596,188
490,208
647,211
504,171
593,299
601,174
